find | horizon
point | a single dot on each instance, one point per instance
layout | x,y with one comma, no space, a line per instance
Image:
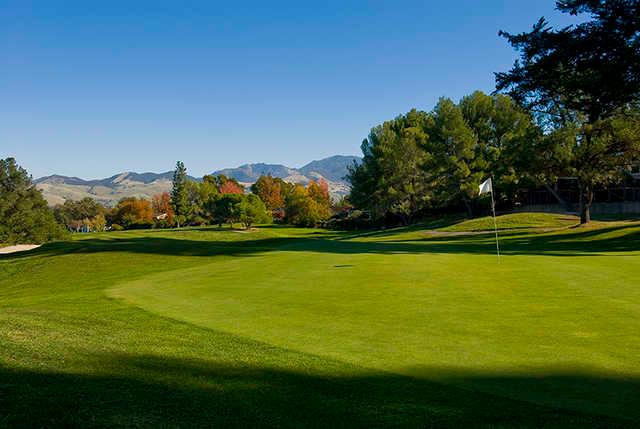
90,90
192,175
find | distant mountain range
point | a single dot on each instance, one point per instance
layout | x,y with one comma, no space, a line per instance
56,189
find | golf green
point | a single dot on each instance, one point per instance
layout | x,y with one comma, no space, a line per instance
410,326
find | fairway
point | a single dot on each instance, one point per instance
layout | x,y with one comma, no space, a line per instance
288,327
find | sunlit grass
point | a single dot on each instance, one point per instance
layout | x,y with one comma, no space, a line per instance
299,327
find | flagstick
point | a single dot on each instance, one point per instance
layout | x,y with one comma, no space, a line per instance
495,224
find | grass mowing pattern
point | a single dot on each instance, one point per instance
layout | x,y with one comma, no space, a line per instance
514,221
288,327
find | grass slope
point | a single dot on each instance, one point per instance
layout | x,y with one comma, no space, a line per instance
515,221
293,327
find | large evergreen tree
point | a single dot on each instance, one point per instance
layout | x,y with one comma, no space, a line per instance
390,179
180,194
451,166
421,161
507,138
583,78
24,215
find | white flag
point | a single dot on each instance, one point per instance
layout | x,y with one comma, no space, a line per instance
486,187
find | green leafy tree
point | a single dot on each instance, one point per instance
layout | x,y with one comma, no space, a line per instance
198,194
73,213
203,198
583,78
390,178
303,210
452,168
24,214
225,209
364,178
507,138
251,210
180,194
421,161
611,151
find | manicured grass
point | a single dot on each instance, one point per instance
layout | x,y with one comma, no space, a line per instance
515,221
299,327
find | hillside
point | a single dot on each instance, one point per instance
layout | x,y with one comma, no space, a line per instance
56,188
333,168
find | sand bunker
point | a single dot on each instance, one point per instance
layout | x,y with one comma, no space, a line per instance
18,248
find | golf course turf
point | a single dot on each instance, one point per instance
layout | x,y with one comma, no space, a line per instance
406,327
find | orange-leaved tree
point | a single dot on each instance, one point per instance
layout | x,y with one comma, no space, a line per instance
231,187
133,213
269,190
161,205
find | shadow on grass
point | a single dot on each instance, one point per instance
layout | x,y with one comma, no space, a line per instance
149,391
619,238
617,217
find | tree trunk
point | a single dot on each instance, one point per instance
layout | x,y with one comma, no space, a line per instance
586,198
586,189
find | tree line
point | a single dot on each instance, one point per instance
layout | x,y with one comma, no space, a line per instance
215,200
25,216
423,161
219,199
569,107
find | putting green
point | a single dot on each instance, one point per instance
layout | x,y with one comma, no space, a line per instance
288,327
433,306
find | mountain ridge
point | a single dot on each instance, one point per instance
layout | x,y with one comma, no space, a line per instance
332,168
57,188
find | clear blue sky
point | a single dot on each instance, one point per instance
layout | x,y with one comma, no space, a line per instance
94,88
